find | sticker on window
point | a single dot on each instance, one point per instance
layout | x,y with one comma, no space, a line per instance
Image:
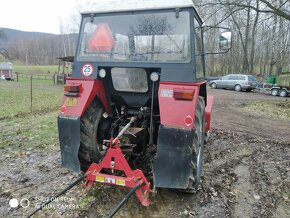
87,69
166,93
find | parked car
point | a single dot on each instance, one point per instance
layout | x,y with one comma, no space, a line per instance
237,82
211,78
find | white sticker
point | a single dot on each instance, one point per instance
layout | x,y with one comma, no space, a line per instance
110,180
87,69
166,93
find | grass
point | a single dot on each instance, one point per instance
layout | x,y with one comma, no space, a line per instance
15,98
21,128
35,80
30,131
35,69
271,109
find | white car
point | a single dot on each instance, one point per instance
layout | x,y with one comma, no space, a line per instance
238,82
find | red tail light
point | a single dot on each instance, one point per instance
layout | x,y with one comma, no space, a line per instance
183,94
72,90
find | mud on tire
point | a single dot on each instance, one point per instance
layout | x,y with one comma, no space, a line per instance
197,146
90,150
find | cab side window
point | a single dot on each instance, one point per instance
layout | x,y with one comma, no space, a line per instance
199,71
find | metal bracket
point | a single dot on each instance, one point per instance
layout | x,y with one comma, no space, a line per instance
130,178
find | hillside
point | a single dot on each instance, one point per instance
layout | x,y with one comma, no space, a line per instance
36,48
12,34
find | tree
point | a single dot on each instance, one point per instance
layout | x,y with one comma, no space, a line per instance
261,35
281,9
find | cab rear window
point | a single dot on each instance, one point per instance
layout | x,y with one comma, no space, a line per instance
129,80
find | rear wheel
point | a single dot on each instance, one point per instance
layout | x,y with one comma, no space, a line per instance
197,146
283,93
238,88
90,150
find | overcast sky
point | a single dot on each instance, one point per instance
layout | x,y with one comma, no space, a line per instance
36,15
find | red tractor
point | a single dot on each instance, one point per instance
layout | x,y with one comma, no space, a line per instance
136,112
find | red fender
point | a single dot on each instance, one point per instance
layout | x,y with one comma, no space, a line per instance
177,112
88,89
208,108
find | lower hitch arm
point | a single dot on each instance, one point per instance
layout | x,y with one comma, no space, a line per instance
123,201
59,194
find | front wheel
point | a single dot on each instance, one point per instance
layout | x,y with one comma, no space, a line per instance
274,92
197,147
213,85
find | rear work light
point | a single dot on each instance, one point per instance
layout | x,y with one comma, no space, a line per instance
72,89
183,94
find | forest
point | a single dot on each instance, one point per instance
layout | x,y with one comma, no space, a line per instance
261,33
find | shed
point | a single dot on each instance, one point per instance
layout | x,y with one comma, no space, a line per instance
6,70
64,69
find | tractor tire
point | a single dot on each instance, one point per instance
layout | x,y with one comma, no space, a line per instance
197,146
90,150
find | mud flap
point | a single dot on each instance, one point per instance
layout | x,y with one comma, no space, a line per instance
172,165
69,139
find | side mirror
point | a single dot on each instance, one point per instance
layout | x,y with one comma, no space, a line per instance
225,41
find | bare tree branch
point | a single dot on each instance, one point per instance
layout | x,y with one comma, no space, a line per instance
272,9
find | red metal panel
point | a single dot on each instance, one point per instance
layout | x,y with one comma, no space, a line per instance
208,112
89,88
175,112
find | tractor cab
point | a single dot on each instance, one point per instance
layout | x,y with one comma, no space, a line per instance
138,92
123,46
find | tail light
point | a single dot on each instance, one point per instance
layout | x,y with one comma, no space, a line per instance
183,94
72,89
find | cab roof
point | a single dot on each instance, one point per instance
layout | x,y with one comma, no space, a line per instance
103,6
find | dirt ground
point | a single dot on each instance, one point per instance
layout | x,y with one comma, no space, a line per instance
246,173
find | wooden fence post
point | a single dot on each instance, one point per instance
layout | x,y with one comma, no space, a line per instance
53,79
31,93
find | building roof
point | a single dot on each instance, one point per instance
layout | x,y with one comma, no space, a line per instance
5,66
67,58
102,6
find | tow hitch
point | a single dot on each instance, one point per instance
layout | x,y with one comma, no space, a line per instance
115,170
115,162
